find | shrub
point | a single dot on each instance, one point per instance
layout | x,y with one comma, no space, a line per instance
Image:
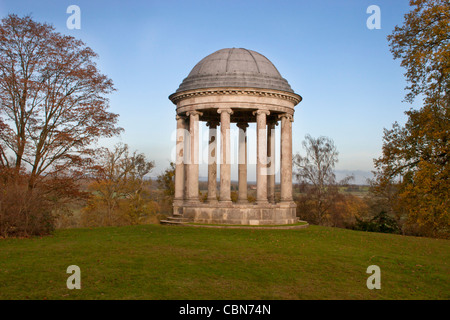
24,212
382,222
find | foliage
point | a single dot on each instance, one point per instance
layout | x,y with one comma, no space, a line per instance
414,170
23,212
346,209
382,222
319,190
28,212
413,173
54,103
234,195
423,45
53,108
119,193
166,182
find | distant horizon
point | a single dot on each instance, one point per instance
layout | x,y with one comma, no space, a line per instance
340,174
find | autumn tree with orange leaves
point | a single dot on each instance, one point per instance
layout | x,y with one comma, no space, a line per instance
54,104
413,173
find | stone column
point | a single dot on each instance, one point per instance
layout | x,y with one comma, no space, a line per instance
186,156
212,161
286,157
225,166
271,160
261,156
242,165
179,161
192,187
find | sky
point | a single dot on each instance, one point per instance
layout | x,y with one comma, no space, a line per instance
352,88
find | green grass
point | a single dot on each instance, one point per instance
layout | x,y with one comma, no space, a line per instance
165,262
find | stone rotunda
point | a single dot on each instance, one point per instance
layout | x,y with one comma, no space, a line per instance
234,86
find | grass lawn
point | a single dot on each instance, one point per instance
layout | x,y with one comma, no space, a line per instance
167,262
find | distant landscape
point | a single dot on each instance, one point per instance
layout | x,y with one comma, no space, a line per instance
360,176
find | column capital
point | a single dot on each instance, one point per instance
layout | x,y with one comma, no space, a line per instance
194,113
261,111
242,125
178,117
272,122
290,117
227,110
212,124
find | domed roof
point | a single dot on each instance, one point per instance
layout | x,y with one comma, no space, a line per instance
235,67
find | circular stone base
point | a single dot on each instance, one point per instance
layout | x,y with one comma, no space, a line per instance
298,225
238,214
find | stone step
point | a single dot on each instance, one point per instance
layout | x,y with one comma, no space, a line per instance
176,219
172,222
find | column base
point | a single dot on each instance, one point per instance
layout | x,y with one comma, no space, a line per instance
225,202
178,201
287,203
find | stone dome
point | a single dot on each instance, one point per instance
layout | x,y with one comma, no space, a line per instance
235,67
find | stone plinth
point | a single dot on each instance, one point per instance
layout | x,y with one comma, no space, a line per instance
241,214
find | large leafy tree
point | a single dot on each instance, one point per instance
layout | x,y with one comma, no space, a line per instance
423,46
54,102
414,169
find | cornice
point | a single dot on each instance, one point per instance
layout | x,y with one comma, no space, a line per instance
178,96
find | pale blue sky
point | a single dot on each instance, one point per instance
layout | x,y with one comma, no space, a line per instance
350,84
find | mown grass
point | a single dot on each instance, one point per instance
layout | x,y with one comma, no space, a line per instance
166,262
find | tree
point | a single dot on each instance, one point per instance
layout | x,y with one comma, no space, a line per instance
119,188
53,100
423,45
166,182
381,222
315,174
414,167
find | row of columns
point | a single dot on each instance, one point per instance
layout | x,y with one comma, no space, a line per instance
186,175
